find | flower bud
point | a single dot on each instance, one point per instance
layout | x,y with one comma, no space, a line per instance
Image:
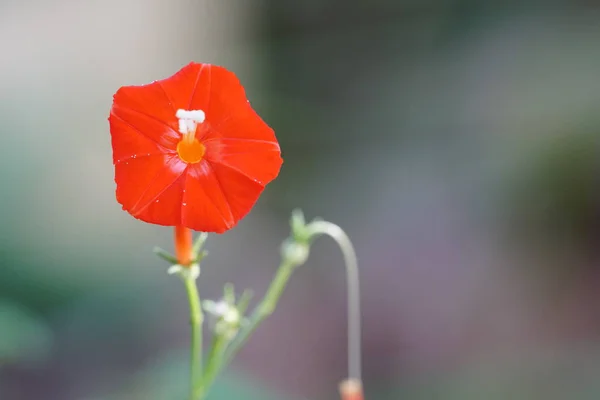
226,317
294,252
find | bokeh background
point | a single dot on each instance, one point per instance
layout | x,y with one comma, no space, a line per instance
457,142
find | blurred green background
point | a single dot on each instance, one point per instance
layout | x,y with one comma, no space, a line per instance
457,142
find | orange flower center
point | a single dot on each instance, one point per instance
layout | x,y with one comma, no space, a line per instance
190,150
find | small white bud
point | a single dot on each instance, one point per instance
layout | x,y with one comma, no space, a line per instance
294,252
226,317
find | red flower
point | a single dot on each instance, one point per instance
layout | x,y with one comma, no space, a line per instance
190,151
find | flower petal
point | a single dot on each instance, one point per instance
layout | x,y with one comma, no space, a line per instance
205,207
149,112
166,209
259,160
240,191
189,88
219,93
210,88
127,143
142,181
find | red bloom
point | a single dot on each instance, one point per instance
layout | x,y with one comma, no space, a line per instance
190,151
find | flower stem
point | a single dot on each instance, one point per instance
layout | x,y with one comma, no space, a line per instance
353,294
215,360
184,252
262,311
295,251
196,318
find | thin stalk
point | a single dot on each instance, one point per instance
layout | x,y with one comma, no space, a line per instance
215,359
196,318
262,311
351,389
353,291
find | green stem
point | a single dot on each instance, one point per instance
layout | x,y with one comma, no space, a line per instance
295,251
260,313
215,359
196,319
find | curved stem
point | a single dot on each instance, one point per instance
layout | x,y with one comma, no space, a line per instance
351,389
353,291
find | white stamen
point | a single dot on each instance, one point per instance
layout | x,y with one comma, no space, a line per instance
194,115
189,120
183,126
191,125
